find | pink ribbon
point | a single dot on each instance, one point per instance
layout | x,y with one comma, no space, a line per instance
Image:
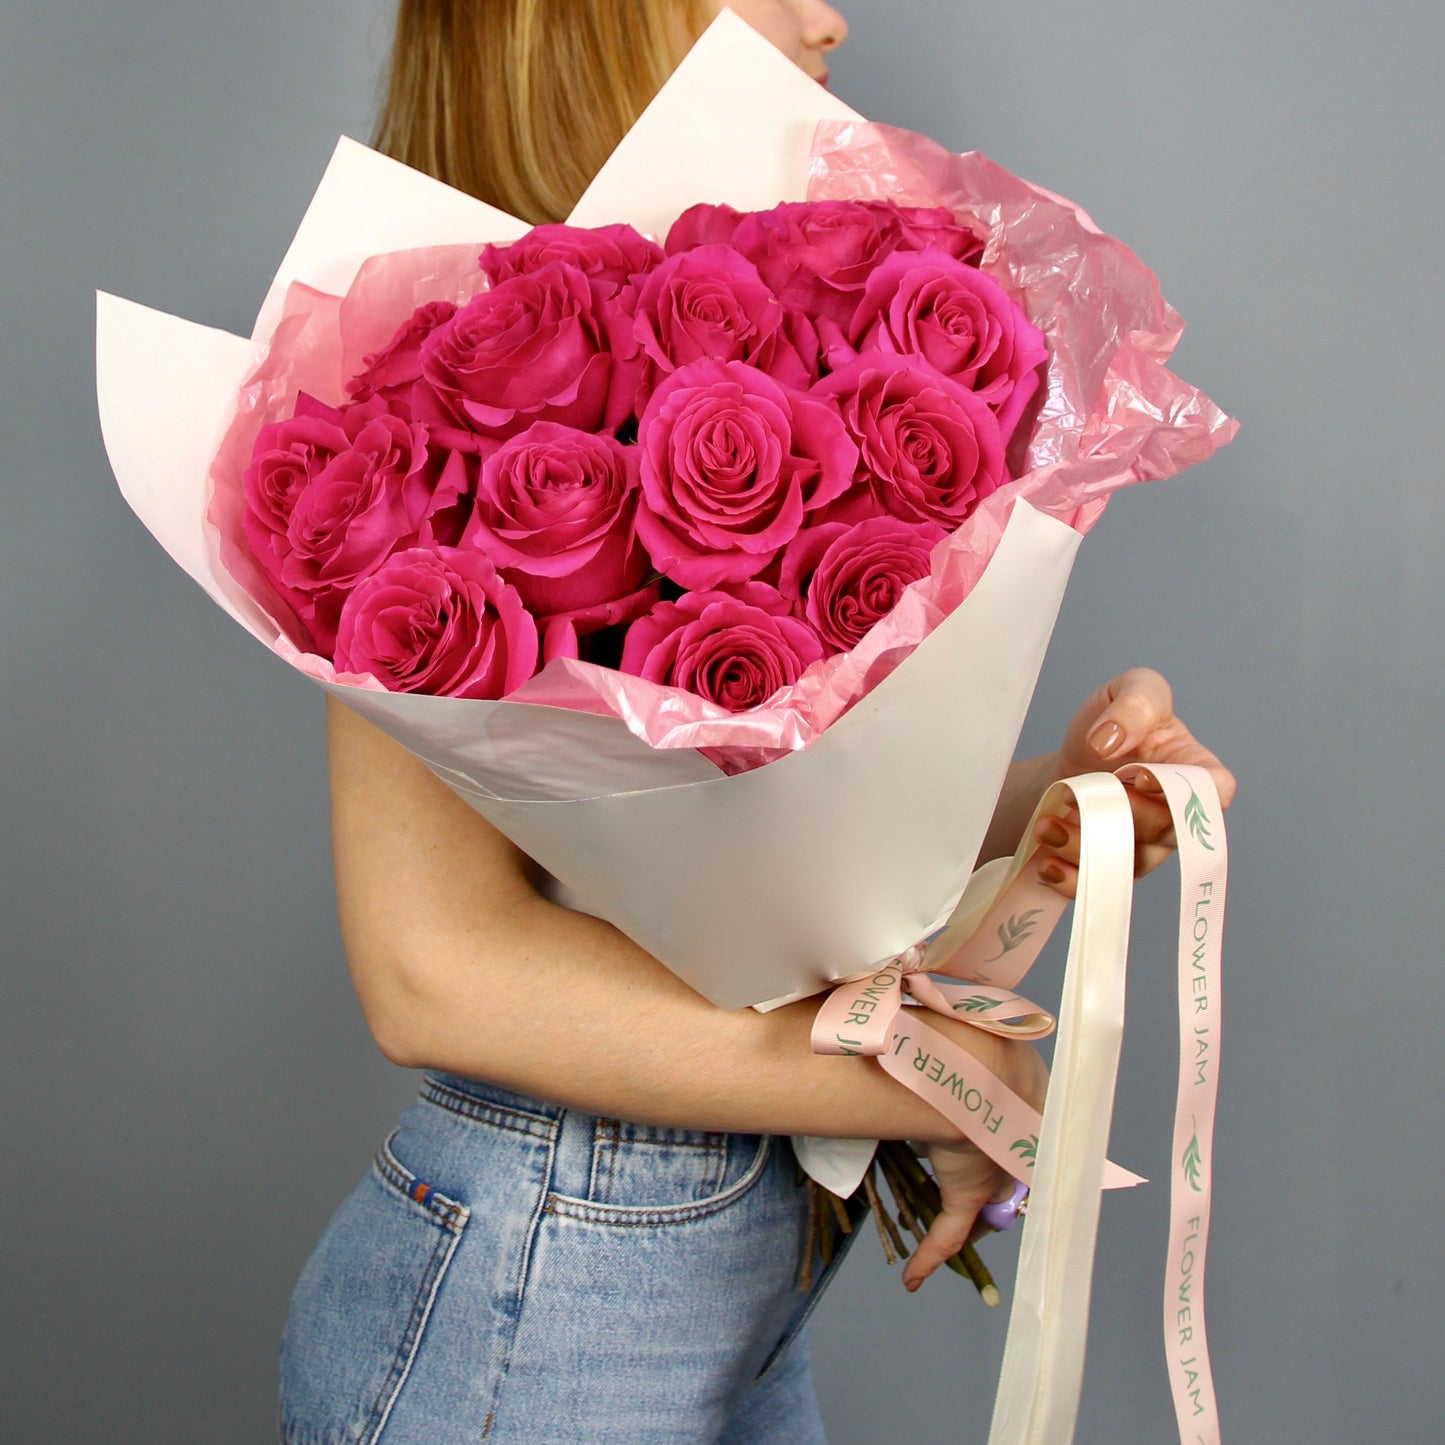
870,1015
1203,876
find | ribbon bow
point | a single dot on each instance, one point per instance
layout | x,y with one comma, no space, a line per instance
879,1014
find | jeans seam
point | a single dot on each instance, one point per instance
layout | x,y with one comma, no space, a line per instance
608,1143
799,1321
604,1160
717,1154
498,1116
447,1213
517,1301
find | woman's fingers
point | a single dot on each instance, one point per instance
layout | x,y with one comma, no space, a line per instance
1129,720
1057,860
1153,824
1138,702
967,1179
946,1236
1061,875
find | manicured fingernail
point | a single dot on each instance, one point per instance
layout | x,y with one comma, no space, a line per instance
1147,783
1052,833
1051,873
1105,740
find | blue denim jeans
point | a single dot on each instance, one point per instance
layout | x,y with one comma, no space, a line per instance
524,1274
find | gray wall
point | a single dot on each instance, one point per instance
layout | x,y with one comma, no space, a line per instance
189,1088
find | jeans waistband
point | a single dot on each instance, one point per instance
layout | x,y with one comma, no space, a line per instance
456,1092
592,1154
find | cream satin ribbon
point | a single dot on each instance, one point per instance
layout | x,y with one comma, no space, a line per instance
994,936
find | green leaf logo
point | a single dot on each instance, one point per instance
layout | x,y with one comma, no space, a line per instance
975,1003
1028,1149
1192,1163
1016,931
1197,820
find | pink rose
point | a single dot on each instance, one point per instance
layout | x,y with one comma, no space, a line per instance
611,255
550,345
922,227
287,455
555,512
959,320
818,255
392,372
703,225
849,577
710,303
733,648
440,622
327,502
731,463
929,448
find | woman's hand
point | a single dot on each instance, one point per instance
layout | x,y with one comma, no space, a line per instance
968,1179
1128,720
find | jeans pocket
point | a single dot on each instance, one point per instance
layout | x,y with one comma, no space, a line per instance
652,1177
362,1304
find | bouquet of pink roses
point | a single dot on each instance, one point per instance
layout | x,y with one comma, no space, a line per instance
710,463
708,568
812,473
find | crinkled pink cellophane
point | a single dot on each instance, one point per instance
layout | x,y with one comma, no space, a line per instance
1112,413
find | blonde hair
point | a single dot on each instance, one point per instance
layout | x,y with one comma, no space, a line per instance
520,101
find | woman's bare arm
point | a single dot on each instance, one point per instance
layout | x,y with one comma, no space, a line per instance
460,964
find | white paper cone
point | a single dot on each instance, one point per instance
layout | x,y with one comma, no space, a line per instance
819,865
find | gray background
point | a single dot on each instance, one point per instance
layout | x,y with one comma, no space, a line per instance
189,1088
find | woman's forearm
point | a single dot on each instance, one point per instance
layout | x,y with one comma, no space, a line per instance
571,1010
461,965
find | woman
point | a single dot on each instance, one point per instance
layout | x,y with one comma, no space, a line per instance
601,1240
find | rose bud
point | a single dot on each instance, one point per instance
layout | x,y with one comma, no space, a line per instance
610,255
439,622
710,303
849,577
734,648
731,463
555,511
959,320
929,449
702,225
392,372
348,492
549,345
